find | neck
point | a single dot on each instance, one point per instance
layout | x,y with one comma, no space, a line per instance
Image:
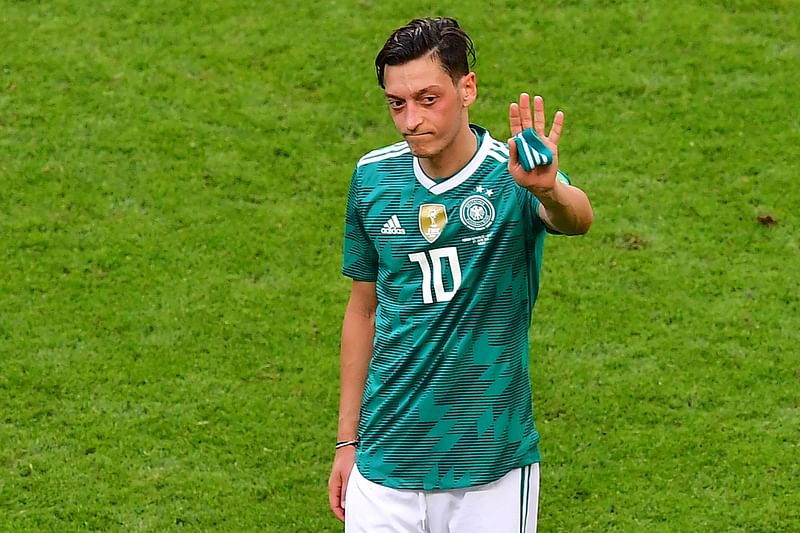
453,158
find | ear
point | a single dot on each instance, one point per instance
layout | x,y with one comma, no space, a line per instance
469,89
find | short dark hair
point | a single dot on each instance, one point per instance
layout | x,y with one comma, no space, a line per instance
441,36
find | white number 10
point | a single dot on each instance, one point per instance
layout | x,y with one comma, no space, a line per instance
442,295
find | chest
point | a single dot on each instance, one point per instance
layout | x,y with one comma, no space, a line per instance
472,219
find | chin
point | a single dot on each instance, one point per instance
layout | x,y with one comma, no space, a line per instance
422,151
422,154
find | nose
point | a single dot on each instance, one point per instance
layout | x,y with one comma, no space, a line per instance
413,117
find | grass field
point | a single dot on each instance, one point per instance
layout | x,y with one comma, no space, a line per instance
172,186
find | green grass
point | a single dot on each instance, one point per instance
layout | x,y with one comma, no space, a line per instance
172,186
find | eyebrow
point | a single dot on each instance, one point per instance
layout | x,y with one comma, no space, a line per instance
427,89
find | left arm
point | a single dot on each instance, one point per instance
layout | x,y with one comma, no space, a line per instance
563,207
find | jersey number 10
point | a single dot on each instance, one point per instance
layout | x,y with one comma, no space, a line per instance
435,279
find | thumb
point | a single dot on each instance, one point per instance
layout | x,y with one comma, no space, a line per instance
513,157
514,166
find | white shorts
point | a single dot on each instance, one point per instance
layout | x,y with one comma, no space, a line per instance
508,505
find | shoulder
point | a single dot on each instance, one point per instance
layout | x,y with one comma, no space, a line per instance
490,150
381,154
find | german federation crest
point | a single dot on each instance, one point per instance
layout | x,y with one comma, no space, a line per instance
477,213
432,219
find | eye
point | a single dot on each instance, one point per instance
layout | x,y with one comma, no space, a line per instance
396,104
429,99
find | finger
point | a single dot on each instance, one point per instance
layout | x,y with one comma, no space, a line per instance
555,130
513,157
345,480
538,115
514,119
334,490
525,110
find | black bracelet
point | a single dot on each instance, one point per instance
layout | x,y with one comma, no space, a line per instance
343,443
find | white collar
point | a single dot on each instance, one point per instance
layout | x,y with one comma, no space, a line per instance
444,185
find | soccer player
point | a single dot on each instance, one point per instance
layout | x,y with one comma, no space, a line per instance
444,235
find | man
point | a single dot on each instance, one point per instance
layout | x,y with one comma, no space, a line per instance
443,241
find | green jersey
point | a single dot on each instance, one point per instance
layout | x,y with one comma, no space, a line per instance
447,401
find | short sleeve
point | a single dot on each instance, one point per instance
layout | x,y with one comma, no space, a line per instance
360,260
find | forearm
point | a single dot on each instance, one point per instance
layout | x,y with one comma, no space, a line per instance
565,208
358,332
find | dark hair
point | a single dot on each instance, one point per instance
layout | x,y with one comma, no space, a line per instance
441,36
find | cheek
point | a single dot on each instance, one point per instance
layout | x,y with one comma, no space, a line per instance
447,116
448,109
397,117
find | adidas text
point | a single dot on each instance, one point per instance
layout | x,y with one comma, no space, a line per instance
393,231
392,227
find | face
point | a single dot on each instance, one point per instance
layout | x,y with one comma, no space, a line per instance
428,109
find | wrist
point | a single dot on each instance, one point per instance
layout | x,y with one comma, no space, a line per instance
346,444
347,454
550,196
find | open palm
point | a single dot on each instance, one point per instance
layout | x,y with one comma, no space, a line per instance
542,178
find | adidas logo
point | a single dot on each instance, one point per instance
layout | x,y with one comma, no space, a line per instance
392,227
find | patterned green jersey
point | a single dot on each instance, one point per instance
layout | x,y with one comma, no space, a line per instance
447,402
